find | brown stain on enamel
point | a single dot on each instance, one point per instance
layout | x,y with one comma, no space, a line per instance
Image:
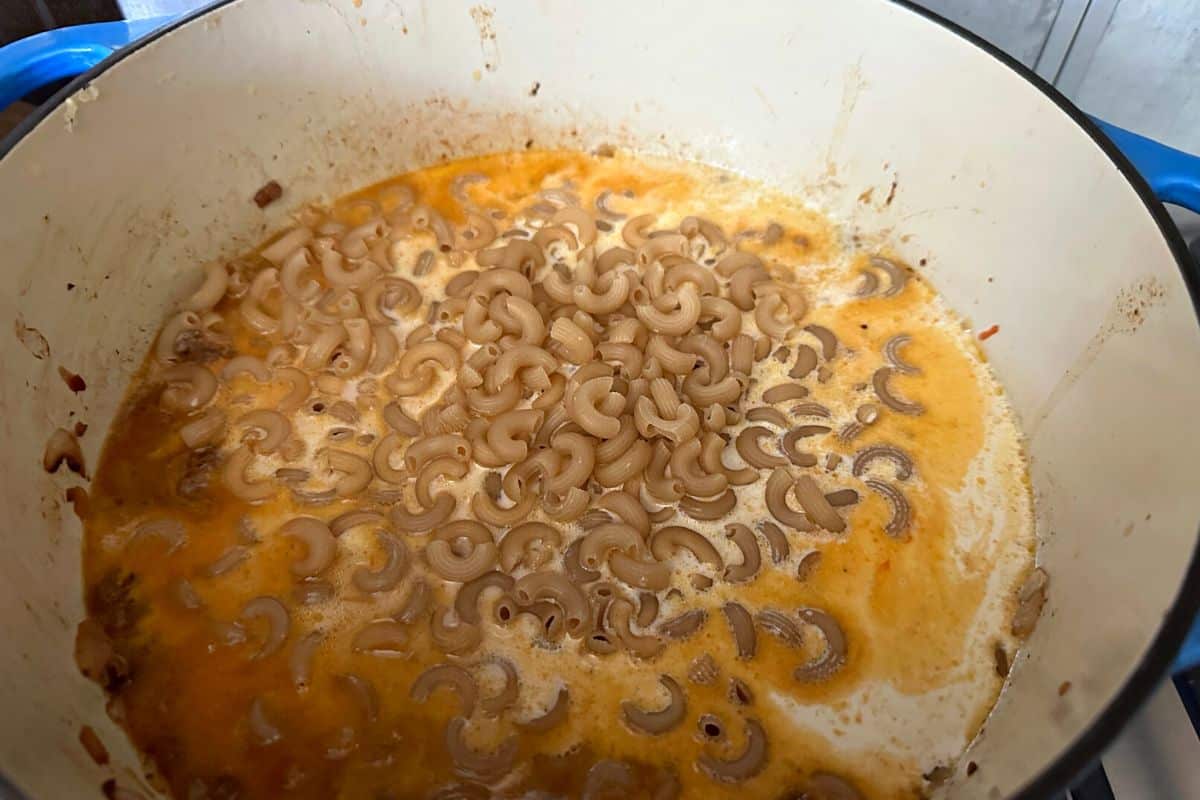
906,606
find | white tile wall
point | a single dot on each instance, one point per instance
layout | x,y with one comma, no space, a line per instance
1144,73
1133,62
1019,27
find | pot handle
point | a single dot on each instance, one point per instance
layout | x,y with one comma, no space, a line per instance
1173,175
41,59
1189,653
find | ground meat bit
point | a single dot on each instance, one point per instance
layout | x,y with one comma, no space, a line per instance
198,472
269,193
74,382
200,346
92,744
112,604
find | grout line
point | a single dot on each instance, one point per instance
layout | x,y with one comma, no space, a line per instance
1071,45
1056,47
1084,45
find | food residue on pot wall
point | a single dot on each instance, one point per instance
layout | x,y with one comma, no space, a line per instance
63,448
269,193
31,338
74,382
92,744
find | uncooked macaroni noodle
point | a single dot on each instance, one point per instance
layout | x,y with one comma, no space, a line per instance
552,475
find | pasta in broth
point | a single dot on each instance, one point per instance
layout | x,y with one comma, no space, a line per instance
545,472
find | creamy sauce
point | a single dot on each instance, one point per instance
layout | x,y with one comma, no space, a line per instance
922,614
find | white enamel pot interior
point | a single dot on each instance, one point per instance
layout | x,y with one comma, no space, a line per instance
1018,214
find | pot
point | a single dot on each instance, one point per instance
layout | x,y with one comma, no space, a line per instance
1019,209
